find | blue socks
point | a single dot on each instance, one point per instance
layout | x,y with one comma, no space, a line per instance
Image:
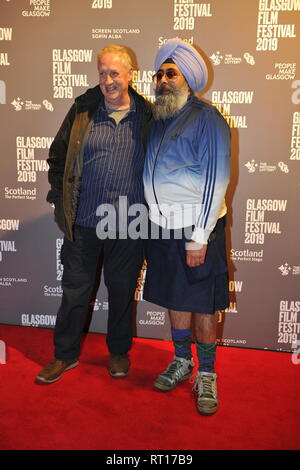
182,340
206,353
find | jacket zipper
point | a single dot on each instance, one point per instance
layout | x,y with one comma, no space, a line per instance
155,161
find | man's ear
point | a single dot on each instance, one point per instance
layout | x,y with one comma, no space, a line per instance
130,74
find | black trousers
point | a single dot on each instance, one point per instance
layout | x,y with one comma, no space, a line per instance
121,266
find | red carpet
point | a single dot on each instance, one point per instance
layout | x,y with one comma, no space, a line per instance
87,409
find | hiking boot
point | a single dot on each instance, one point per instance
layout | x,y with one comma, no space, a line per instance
54,370
206,387
119,365
180,369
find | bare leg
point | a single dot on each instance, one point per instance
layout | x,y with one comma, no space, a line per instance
205,327
180,320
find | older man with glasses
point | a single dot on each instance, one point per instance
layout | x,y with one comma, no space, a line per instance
185,179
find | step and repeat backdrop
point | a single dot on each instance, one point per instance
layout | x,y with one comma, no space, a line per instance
48,57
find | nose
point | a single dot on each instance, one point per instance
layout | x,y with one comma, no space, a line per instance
108,79
164,79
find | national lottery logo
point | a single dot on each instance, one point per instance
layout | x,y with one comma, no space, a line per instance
17,104
216,58
286,269
229,59
252,166
97,305
28,105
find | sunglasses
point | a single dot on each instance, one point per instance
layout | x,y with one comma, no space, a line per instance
171,74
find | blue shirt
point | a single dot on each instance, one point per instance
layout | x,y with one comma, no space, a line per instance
112,164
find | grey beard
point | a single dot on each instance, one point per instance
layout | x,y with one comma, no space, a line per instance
167,106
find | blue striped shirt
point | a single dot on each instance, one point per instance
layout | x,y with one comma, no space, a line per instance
112,164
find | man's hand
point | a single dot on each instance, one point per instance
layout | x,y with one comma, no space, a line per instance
195,254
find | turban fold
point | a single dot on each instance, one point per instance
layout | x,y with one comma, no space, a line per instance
187,59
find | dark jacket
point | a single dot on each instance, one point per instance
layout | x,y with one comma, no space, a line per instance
66,154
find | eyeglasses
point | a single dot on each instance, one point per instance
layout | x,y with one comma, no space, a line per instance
171,74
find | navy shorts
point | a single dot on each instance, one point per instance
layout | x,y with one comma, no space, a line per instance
172,284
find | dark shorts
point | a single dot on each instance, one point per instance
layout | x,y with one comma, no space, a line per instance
172,284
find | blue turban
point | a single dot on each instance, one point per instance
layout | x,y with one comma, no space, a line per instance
187,59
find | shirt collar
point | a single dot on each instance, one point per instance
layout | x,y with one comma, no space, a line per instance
132,103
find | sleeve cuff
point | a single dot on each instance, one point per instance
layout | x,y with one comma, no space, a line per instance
200,235
193,246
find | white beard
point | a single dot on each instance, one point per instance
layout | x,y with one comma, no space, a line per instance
168,105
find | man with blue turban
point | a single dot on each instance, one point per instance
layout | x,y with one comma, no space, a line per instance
186,175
